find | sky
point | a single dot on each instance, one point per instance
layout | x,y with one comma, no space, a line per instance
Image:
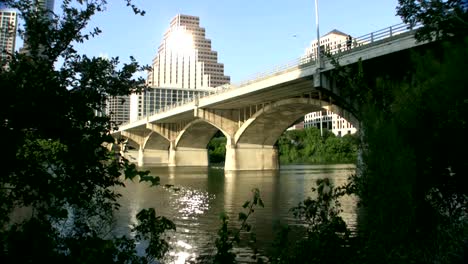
250,36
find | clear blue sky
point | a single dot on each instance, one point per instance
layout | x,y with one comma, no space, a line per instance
250,36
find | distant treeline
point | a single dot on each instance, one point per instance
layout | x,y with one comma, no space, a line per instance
217,148
301,146
308,146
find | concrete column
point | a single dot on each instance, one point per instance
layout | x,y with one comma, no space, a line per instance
156,157
230,160
172,154
251,157
140,157
191,157
187,157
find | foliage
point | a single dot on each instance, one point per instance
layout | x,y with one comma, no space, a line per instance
412,181
56,167
441,19
228,237
420,179
151,228
327,238
217,149
307,146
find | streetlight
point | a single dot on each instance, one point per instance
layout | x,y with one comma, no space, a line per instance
318,32
318,58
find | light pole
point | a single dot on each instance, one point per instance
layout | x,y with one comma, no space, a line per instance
318,58
318,32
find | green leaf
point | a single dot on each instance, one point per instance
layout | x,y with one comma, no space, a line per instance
260,203
242,216
153,180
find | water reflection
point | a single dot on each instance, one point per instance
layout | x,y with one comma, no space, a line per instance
201,194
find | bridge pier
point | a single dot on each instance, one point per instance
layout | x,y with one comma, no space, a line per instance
156,157
187,157
153,157
251,157
140,160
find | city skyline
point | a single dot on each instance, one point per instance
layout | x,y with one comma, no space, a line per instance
249,37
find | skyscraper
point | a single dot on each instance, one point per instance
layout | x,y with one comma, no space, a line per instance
185,59
184,67
334,40
48,7
8,25
47,4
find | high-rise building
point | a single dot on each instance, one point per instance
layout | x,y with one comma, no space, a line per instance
47,4
118,108
184,67
8,25
158,97
331,121
332,41
185,58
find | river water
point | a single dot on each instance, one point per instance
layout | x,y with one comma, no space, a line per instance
199,196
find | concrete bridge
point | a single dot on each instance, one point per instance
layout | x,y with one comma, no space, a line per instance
253,114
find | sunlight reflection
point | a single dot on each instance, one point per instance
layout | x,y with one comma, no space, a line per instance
181,255
180,41
193,202
134,210
184,244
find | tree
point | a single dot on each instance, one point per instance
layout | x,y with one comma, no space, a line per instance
308,145
440,18
413,185
55,163
217,148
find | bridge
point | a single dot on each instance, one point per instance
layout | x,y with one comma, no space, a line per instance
253,114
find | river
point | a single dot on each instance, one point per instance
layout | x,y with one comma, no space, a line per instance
199,196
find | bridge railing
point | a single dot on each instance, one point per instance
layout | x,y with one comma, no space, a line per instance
274,71
370,38
339,48
263,75
160,110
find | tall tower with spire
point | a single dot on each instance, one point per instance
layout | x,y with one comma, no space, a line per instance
185,58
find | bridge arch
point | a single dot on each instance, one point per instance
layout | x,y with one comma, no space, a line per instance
197,134
266,125
155,141
130,143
